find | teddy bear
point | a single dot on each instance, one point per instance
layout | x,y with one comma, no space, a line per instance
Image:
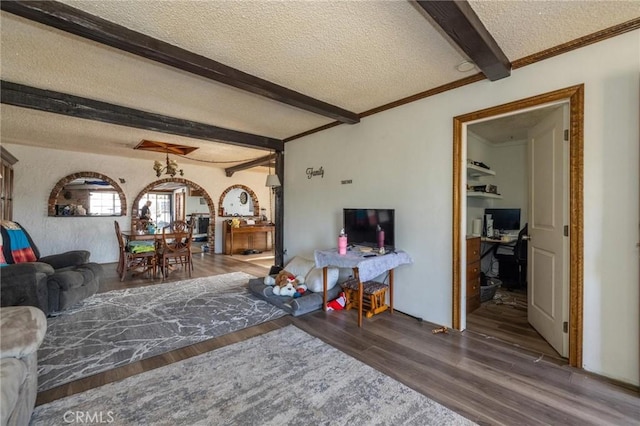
286,284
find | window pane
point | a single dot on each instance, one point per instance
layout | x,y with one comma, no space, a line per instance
160,208
104,203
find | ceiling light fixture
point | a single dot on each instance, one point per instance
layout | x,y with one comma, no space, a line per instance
465,66
171,168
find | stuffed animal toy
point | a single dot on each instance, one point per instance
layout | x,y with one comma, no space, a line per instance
338,303
286,284
286,290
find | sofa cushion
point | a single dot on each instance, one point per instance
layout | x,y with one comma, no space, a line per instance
69,287
314,280
13,374
67,260
300,266
25,289
67,279
23,329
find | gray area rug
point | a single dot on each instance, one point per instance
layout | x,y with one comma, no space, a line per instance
119,327
284,377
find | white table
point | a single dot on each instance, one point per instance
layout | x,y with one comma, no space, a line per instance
365,268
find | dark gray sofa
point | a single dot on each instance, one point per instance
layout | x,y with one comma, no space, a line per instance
52,283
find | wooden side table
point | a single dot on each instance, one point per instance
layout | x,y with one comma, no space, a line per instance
364,269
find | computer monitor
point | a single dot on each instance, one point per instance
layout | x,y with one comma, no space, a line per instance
505,220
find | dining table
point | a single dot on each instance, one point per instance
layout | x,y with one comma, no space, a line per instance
147,236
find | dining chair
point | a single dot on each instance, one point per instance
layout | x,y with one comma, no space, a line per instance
134,257
175,247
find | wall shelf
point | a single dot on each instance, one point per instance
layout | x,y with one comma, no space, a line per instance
474,171
476,194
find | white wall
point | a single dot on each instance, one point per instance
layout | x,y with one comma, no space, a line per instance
402,159
509,161
39,169
478,150
197,205
510,165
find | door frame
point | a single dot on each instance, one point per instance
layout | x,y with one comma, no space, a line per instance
575,96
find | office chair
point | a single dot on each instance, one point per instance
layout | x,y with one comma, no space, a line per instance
513,267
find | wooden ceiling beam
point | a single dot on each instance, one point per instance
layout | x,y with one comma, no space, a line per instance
262,161
75,106
458,20
83,24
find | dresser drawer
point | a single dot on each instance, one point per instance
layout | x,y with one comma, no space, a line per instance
473,287
473,250
473,271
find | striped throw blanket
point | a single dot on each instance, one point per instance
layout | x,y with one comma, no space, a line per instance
14,244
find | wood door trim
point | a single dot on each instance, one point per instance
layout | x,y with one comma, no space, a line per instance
575,96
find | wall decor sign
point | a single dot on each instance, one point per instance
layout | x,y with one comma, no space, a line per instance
311,172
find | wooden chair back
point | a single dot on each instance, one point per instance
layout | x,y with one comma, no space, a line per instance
176,246
128,261
119,236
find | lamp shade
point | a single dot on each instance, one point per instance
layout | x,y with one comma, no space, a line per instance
272,181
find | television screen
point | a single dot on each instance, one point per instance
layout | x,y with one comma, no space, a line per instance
361,226
505,219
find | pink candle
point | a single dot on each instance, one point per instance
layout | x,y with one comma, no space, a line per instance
380,238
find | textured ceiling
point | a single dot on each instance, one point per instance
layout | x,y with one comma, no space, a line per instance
357,55
510,128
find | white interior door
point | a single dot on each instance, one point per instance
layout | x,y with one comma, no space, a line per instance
546,272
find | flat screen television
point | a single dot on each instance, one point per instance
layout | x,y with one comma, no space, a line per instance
361,226
505,219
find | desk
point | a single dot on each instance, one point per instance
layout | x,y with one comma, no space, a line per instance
494,244
242,237
364,269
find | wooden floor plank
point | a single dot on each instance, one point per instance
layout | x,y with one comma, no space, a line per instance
488,380
505,317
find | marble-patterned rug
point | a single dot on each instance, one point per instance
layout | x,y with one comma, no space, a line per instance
116,328
284,377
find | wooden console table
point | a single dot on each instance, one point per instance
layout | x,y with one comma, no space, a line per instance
365,268
246,237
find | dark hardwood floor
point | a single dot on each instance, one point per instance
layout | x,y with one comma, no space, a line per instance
505,317
486,380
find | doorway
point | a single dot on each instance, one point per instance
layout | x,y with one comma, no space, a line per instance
574,96
505,145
